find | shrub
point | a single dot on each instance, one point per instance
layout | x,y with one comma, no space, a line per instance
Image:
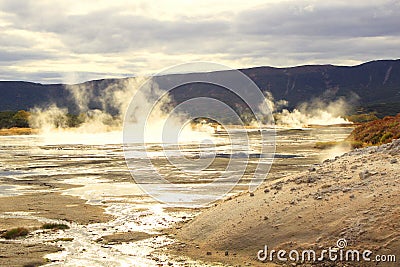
386,137
59,226
376,132
326,145
9,119
359,118
16,232
356,144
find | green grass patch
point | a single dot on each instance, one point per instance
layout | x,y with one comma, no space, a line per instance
326,145
58,226
15,233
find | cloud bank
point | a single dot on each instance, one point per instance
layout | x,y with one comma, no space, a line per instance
69,41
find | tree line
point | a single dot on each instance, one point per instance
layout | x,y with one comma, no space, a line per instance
20,119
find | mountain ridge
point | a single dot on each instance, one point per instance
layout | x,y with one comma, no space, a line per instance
375,85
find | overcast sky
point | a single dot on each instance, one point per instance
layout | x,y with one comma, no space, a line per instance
73,41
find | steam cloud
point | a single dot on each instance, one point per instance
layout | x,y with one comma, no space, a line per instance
52,122
315,112
115,99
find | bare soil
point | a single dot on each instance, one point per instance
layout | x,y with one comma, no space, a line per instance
354,197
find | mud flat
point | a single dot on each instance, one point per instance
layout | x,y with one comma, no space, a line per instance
55,206
34,210
355,197
17,254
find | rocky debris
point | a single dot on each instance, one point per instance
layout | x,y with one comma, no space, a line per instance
392,148
306,179
311,179
364,174
278,186
318,197
393,161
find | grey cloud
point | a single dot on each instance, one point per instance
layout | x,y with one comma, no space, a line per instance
108,31
10,56
12,41
298,18
287,33
8,74
116,34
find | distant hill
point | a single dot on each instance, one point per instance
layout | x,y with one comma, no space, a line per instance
376,83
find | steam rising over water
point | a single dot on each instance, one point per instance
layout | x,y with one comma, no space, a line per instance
100,127
103,175
96,162
315,112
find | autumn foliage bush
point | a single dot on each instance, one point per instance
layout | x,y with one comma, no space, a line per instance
377,132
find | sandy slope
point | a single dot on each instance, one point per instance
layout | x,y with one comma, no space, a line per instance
355,196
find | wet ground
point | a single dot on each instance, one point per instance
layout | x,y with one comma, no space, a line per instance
99,175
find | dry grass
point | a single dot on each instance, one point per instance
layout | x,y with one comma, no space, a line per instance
18,131
326,145
332,144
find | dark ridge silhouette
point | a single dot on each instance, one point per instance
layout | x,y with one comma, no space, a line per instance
375,85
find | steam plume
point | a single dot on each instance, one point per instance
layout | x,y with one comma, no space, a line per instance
315,112
107,121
